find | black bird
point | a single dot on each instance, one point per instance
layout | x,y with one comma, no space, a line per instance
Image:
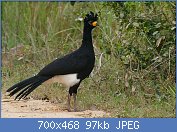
69,70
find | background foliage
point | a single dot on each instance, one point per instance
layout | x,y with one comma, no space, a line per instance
135,48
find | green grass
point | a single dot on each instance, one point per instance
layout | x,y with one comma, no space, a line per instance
49,30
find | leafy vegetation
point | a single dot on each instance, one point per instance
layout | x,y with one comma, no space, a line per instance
135,48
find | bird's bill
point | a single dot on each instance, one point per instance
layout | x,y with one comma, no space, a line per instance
94,23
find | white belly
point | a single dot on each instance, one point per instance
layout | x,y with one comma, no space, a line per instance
68,80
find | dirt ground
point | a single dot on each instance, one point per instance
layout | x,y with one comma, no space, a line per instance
41,109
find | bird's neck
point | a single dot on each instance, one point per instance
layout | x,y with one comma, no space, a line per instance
87,36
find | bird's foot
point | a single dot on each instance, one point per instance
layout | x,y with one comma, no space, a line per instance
75,109
69,110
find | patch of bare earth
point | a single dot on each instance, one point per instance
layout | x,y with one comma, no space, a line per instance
42,109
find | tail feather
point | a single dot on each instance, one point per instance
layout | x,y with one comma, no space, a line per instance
17,89
22,84
28,90
22,92
20,95
25,87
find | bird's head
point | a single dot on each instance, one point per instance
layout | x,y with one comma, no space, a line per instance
91,20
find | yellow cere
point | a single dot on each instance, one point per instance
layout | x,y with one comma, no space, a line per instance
94,23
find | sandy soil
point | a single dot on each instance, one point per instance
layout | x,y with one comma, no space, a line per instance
41,109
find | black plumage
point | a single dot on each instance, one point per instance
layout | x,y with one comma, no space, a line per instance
78,63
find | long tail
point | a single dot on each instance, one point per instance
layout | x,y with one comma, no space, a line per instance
26,86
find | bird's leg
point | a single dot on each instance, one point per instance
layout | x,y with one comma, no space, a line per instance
75,106
69,105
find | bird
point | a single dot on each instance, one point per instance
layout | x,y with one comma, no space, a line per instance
69,70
